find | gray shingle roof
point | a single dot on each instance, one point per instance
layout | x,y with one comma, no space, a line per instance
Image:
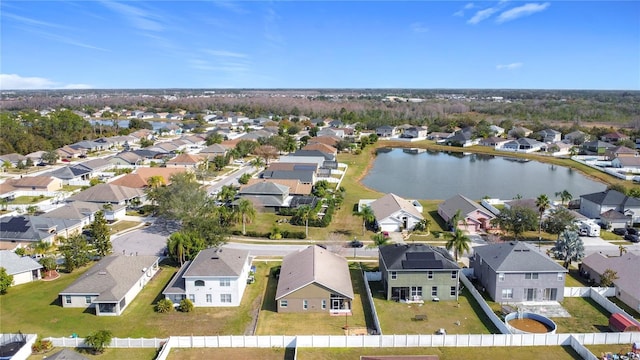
516,257
390,203
77,210
67,354
314,265
626,267
265,188
218,262
611,198
107,193
416,257
462,203
16,264
112,277
32,228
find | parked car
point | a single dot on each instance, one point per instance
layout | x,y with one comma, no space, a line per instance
632,231
356,244
632,238
620,231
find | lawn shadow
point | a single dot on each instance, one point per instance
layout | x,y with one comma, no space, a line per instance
346,233
597,306
569,350
56,302
358,279
602,328
435,216
290,354
269,303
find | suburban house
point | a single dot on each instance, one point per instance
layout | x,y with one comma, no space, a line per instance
385,131
513,272
493,141
266,195
215,277
473,217
109,194
213,150
576,137
418,272
327,140
627,270
415,132
12,159
67,152
322,148
314,280
30,186
127,158
295,186
24,230
140,177
24,269
614,137
549,135
185,161
525,145
620,152
594,204
496,130
519,132
88,146
626,162
85,212
110,285
596,147
462,138
394,213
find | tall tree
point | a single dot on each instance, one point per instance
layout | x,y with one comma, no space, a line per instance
458,242
156,181
50,157
516,220
5,281
559,219
569,247
101,235
75,251
565,196
184,245
246,212
543,203
379,240
368,217
303,214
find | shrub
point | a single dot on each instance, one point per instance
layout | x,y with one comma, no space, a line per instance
186,305
41,346
99,340
164,306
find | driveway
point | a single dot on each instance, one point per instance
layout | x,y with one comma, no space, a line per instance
151,240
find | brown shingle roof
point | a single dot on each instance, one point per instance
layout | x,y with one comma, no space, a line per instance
324,148
185,159
328,140
32,181
139,179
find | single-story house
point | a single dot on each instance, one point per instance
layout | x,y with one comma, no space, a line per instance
513,272
525,145
627,268
576,137
85,212
139,179
109,194
126,158
213,150
614,137
110,285
626,162
519,132
12,159
314,280
594,204
596,147
493,141
295,186
25,230
394,213
215,277
463,138
415,272
185,161
24,269
67,152
620,152
473,217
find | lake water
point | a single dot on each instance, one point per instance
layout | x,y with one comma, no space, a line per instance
440,175
125,123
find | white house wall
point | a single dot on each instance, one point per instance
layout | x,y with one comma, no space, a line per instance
236,288
23,278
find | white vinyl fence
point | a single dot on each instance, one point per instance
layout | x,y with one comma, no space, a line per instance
483,304
25,350
374,313
599,295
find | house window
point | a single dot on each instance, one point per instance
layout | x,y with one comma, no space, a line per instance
454,274
434,291
531,276
284,303
225,298
429,275
501,277
192,297
416,291
305,304
225,282
324,304
87,299
209,299
394,275
453,291
199,283
67,299
507,293
560,276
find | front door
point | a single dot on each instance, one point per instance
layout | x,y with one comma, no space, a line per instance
529,294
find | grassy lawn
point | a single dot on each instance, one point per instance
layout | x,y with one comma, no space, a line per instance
586,317
35,308
446,353
270,322
609,236
109,354
24,200
71,188
574,279
625,307
231,353
123,225
397,318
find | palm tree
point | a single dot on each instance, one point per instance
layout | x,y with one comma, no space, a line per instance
379,240
543,203
155,181
455,219
42,247
247,212
367,217
303,213
459,242
177,247
564,195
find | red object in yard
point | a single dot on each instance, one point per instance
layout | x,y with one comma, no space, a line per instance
620,323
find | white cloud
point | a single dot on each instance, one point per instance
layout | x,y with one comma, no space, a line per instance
138,17
32,22
521,11
232,6
481,15
511,66
225,53
17,82
419,27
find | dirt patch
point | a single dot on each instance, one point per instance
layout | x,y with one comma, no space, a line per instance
50,275
356,331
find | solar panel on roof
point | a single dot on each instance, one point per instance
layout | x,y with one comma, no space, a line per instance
420,256
16,224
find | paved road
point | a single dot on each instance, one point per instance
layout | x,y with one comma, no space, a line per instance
151,240
232,179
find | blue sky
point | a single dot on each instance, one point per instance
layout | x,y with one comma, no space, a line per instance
320,44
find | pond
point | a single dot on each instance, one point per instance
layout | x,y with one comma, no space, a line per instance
125,123
440,175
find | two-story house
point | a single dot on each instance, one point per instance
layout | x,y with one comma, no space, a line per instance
216,277
595,204
513,272
418,272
